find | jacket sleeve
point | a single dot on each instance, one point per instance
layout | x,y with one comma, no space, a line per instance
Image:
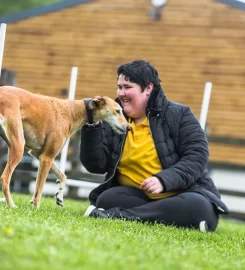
94,148
193,151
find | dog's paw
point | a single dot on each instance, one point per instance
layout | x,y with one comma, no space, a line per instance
11,204
2,200
58,200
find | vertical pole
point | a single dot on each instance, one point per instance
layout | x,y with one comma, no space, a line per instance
2,41
205,104
71,96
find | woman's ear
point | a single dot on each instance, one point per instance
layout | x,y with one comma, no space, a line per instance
149,88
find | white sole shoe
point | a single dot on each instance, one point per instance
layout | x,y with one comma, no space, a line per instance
90,209
203,226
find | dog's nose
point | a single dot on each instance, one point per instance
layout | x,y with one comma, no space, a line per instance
126,128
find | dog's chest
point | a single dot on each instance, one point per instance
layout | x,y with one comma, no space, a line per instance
33,140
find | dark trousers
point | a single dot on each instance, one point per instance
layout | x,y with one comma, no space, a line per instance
186,209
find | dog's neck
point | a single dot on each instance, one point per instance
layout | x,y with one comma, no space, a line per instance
78,114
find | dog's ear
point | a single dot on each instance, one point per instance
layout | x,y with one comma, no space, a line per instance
96,101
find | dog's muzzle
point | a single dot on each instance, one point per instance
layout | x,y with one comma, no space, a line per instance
126,128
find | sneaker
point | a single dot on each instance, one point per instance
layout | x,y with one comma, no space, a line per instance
92,211
203,226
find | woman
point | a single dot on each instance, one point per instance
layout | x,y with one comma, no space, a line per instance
157,172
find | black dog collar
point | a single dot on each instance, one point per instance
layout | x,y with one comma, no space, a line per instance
90,122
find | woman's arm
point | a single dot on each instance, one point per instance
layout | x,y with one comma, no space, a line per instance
94,147
194,154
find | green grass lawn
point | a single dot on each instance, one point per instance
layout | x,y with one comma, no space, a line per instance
55,238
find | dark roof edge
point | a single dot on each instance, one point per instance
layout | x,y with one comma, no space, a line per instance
44,9
234,3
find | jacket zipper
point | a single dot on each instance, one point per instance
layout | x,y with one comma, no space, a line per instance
122,151
148,117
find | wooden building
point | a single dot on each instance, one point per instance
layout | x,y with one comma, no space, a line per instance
193,42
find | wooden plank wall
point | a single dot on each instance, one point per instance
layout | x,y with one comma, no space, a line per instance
194,42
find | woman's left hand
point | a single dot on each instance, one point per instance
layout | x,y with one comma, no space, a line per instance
152,185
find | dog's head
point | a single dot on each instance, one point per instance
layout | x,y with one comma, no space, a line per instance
108,110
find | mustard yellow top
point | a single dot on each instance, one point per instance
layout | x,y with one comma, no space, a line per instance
139,159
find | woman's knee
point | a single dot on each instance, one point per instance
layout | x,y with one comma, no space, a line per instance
106,199
204,210
121,196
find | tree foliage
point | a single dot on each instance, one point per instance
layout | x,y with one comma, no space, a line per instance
11,6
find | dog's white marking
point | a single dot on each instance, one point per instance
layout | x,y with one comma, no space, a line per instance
2,200
1,120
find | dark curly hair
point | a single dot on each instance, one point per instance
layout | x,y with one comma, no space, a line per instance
140,72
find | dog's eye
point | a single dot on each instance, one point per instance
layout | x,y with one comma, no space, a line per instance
118,111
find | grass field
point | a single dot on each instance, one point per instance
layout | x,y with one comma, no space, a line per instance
55,238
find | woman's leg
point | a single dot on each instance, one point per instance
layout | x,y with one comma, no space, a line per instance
187,209
121,196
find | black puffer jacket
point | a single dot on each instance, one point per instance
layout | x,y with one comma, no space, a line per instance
180,142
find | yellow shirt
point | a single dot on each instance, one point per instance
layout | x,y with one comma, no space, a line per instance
139,159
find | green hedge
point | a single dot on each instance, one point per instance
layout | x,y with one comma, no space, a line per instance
11,6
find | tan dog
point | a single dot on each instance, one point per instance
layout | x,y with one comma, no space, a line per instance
43,124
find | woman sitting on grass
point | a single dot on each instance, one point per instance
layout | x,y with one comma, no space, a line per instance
157,172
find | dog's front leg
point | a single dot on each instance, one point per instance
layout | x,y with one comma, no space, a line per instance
45,165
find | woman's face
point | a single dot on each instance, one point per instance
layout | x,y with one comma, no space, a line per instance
132,98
